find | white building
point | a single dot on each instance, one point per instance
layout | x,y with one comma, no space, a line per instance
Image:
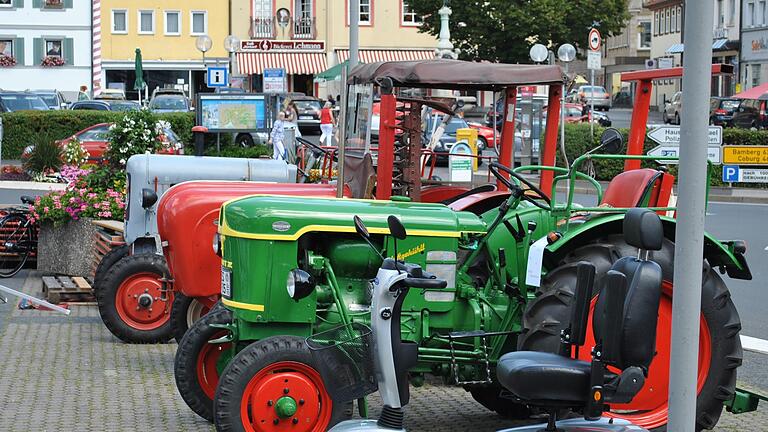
754,43
52,31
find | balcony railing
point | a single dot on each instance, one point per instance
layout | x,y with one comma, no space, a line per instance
266,28
262,28
304,28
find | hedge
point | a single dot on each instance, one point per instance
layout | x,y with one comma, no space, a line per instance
25,128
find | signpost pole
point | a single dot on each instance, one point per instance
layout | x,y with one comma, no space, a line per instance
354,32
342,122
689,233
591,103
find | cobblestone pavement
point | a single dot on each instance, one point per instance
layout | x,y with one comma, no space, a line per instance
70,374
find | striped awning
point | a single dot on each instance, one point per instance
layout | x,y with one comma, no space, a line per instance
373,56
293,63
675,49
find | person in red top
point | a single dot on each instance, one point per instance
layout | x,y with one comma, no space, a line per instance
327,122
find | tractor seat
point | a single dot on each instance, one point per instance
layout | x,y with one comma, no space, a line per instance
540,376
632,188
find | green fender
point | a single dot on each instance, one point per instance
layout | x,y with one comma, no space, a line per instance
728,256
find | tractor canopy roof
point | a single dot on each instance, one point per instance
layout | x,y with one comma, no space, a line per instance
456,74
288,218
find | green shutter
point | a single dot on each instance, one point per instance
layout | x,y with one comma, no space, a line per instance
18,50
18,3
37,4
38,51
68,4
69,55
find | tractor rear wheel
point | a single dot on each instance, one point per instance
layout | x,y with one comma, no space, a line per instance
273,384
197,364
719,344
112,257
184,313
133,301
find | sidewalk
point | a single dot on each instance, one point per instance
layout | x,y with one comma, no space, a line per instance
69,373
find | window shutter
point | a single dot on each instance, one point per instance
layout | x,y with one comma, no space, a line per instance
68,4
37,4
18,3
18,50
38,51
69,55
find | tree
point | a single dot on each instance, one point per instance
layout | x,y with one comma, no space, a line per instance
504,30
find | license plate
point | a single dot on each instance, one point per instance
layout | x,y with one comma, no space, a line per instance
226,282
305,117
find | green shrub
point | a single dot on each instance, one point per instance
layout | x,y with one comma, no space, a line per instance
44,158
254,152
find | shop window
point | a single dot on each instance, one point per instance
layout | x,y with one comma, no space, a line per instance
645,35
172,23
146,22
199,23
119,21
410,18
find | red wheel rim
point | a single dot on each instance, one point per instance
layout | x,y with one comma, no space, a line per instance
207,365
259,406
136,315
650,406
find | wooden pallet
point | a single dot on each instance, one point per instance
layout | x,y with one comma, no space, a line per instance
109,235
69,289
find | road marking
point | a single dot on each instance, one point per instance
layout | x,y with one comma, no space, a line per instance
759,346
737,203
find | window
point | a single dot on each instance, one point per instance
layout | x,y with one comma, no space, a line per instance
172,23
409,16
674,21
53,48
761,13
146,22
750,14
303,24
755,75
6,47
731,11
668,22
199,23
645,35
679,19
119,21
6,3
720,14
365,12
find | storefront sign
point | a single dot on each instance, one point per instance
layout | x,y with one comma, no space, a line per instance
754,45
266,45
745,155
274,80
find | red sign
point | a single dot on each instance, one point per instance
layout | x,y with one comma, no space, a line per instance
263,45
527,91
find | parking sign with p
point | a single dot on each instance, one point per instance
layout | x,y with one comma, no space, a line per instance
730,173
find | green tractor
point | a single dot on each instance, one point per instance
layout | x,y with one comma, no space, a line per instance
293,267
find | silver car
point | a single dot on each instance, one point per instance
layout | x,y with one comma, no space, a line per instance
597,94
673,108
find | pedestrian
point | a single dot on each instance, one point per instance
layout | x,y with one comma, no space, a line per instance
331,100
277,137
327,122
292,117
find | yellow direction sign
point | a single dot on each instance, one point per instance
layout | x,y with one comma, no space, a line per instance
745,155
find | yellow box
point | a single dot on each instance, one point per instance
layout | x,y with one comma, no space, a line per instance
470,136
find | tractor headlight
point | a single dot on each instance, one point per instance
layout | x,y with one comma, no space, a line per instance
217,244
300,284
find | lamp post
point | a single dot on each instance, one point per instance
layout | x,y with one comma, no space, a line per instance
231,44
203,44
566,53
538,54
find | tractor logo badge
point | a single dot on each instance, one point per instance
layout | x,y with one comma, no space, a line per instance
281,226
410,252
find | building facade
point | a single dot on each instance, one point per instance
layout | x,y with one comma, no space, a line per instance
629,50
754,43
306,37
166,32
45,44
666,45
726,45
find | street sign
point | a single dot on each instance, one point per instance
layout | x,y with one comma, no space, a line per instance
460,165
594,39
745,155
670,135
217,76
713,153
274,80
594,60
737,174
666,62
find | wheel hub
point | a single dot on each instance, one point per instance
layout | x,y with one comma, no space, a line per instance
145,300
142,302
285,407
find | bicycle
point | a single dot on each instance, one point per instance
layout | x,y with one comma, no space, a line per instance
18,238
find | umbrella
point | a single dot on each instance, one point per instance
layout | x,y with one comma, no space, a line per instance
760,92
139,84
333,73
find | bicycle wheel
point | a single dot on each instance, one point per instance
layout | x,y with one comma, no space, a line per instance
15,244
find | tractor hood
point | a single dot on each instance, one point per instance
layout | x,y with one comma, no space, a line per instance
288,218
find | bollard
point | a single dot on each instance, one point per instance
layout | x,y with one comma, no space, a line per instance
199,134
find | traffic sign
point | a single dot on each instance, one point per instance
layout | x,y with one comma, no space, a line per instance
594,39
218,76
459,164
745,155
670,135
274,80
736,174
713,153
594,60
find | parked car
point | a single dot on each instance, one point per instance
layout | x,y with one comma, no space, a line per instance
91,105
448,138
673,108
485,138
751,114
589,95
158,91
123,105
11,101
575,113
308,108
111,94
53,98
95,141
165,103
721,110
74,96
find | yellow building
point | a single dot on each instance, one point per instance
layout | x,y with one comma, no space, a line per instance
305,37
166,32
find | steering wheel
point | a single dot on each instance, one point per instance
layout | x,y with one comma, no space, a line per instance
494,168
311,144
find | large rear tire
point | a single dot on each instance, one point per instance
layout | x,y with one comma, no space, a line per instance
110,259
132,301
263,375
719,351
197,363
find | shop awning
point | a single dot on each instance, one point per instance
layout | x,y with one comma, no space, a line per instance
333,73
293,63
759,92
373,56
675,49
717,45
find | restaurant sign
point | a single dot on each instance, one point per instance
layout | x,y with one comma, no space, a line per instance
266,45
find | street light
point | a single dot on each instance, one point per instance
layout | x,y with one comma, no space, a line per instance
231,44
203,44
538,53
566,53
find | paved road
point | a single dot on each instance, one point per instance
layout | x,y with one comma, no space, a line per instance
620,117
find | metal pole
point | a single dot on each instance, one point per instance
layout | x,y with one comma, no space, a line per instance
591,104
354,32
562,119
1,143
689,234
342,122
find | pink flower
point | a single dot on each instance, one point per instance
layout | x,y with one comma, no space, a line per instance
57,204
46,209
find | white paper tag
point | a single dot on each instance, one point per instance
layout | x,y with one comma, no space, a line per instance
535,262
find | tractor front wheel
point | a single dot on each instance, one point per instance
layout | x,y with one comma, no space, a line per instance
719,344
134,302
184,313
274,385
110,259
197,364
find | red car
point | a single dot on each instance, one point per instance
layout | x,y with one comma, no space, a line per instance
94,140
485,138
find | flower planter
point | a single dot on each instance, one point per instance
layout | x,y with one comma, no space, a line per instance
68,248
